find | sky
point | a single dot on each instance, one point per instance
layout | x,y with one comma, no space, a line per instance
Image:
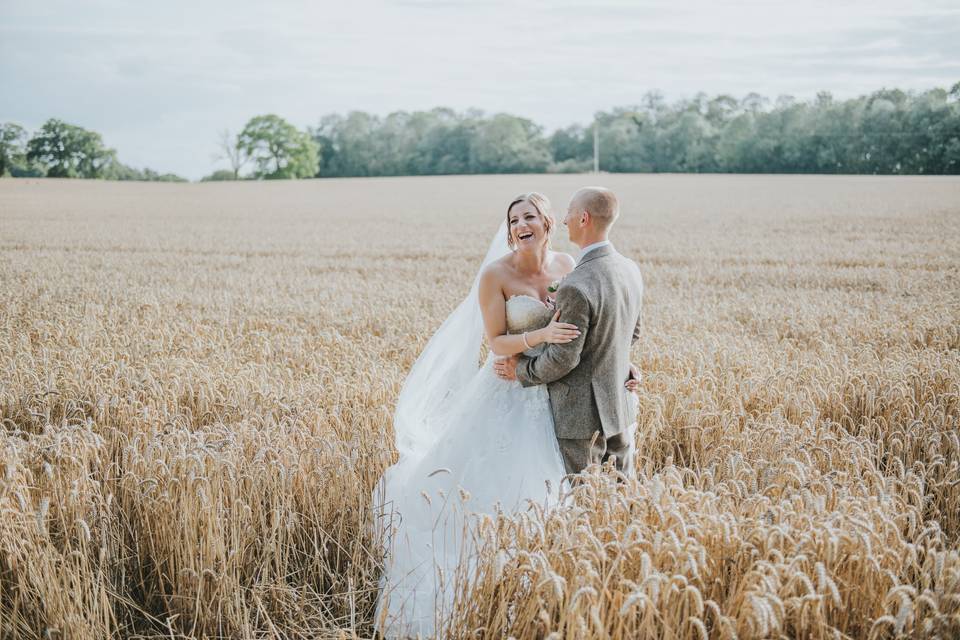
160,80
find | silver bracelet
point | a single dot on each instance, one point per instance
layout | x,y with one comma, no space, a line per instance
525,343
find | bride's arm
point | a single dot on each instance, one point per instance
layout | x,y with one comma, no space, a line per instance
493,306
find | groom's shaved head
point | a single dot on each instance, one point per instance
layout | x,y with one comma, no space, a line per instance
600,203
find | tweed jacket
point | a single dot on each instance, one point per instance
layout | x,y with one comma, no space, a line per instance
585,378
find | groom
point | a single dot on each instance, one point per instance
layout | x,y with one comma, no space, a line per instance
585,377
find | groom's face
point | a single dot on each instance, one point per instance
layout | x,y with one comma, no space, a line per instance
572,221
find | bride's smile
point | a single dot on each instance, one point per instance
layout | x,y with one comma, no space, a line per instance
529,229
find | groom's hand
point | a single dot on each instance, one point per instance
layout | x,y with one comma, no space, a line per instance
506,368
633,379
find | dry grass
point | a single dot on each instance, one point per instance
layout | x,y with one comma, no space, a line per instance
197,381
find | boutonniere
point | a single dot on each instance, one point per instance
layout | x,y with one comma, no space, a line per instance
553,286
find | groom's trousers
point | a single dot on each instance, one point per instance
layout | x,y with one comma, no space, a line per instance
578,454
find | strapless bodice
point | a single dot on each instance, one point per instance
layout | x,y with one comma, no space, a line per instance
526,313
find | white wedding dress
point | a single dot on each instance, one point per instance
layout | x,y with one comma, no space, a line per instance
493,444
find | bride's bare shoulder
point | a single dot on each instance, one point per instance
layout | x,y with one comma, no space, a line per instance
497,269
497,272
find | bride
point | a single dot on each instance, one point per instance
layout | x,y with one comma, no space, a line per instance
469,442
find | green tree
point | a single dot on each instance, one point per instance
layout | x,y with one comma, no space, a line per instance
688,142
754,103
12,147
350,144
69,151
445,147
508,144
220,175
116,170
628,137
278,149
572,143
721,110
422,142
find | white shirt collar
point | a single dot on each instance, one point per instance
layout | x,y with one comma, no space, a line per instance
590,247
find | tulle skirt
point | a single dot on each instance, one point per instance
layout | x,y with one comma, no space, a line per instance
498,450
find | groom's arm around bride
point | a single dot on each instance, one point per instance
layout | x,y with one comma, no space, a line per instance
554,364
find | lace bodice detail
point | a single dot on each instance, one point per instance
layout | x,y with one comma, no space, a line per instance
526,313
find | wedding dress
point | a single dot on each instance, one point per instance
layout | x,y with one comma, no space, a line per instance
498,448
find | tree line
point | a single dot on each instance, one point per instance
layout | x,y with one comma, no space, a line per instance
886,132
63,150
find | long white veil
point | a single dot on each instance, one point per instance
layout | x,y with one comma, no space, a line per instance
446,364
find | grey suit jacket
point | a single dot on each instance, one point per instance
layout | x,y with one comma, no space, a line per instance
585,377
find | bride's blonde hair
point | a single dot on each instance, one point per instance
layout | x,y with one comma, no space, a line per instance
541,204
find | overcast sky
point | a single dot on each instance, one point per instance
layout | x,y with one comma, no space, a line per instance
160,79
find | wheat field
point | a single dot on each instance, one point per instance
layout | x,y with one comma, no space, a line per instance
197,383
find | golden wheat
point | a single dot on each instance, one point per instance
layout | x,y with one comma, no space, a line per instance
197,383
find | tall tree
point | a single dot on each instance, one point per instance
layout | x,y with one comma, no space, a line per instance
278,148
571,143
508,144
12,150
233,152
69,151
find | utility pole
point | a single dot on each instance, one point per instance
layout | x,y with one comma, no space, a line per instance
596,148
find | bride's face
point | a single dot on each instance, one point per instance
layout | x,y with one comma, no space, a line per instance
527,227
